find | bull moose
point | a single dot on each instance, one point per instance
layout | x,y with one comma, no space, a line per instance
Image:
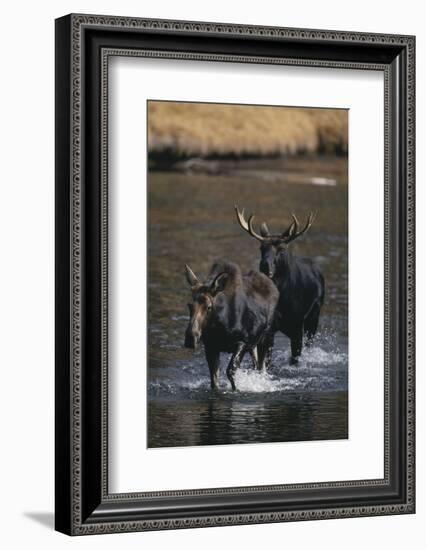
299,281
232,313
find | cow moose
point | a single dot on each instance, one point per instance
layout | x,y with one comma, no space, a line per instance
299,281
232,313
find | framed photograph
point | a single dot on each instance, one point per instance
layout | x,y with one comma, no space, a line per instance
234,274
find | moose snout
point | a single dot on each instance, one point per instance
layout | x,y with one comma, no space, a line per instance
266,269
191,339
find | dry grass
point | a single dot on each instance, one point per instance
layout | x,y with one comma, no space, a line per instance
204,129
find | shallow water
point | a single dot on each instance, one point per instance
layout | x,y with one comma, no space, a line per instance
191,220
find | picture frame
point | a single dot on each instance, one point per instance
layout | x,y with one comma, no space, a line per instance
83,503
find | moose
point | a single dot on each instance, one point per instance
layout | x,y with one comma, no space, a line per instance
232,313
298,280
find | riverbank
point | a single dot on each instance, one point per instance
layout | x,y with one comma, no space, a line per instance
185,130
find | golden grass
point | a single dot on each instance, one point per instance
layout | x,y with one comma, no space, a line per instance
203,129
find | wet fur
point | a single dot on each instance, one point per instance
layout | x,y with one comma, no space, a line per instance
301,287
243,311
242,315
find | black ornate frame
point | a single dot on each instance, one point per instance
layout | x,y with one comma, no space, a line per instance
83,45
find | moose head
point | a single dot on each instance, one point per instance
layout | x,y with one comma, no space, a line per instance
272,246
202,305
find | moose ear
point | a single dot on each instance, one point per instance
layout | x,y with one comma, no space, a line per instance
264,231
190,277
219,283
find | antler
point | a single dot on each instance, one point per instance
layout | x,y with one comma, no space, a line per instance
191,277
290,234
293,231
248,225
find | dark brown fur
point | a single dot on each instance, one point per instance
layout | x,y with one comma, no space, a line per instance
230,313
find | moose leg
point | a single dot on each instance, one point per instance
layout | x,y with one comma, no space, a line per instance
234,363
255,357
265,352
296,343
213,360
311,324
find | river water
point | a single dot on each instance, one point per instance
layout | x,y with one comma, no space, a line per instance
191,220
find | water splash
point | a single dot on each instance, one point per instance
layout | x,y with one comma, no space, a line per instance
262,382
315,356
320,368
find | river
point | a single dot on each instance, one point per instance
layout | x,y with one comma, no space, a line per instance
191,220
